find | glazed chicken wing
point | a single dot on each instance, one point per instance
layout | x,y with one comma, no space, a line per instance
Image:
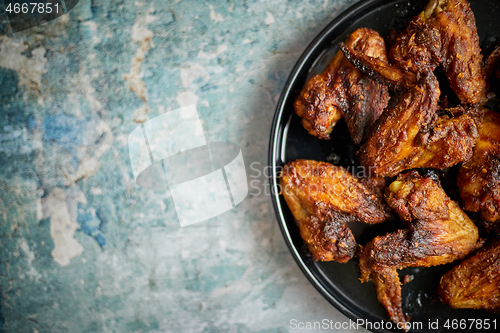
479,178
439,232
322,198
411,135
343,91
475,282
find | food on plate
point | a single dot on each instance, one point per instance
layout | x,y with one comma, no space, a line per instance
323,198
475,282
479,178
438,232
343,91
409,134
410,127
381,71
445,35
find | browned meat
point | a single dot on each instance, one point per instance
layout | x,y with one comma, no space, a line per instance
479,178
323,198
343,91
410,51
445,34
475,282
438,232
411,135
381,71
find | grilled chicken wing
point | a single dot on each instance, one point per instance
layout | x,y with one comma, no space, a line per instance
411,135
445,35
322,198
439,232
343,91
475,282
479,178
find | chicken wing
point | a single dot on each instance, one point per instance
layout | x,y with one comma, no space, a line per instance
438,232
411,135
475,282
445,35
322,198
479,178
343,91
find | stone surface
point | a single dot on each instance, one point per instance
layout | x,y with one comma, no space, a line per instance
85,249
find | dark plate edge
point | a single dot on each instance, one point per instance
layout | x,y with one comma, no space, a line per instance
315,47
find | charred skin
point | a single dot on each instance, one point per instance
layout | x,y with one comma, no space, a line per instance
411,135
445,35
475,282
459,54
343,91
439,232
409,51
323,198
479,178
381,71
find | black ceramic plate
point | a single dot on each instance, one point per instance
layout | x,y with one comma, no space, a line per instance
339,283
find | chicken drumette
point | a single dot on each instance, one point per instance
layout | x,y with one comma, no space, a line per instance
322,198
411,135
343,91
439,232
479,178
475,282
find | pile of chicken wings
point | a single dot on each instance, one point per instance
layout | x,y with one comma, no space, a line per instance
390,99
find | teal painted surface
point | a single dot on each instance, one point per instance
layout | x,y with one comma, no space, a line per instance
82,247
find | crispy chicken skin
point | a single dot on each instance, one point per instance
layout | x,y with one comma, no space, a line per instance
475,282
411,135
322,198
439,232
479,178
381,71
343,91
445,35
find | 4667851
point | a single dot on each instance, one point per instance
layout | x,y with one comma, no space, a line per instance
32,8
471,324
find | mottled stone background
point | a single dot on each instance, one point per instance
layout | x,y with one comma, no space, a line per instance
82,247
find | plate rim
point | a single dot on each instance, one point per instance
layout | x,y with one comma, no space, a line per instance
323,41
315,47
